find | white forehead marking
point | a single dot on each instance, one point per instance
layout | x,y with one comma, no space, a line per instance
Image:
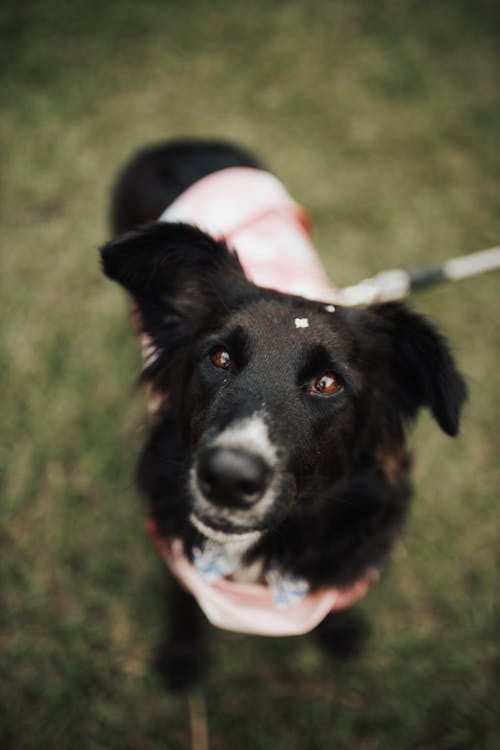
330,308
301,322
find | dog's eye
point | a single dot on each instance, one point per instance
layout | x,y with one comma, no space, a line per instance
326,385
220,358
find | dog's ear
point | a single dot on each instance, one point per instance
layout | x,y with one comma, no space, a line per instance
422,367
177,275
172,265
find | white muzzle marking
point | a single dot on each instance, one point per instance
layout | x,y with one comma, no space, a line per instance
252,436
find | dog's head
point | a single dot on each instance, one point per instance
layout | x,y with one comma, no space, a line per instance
274,398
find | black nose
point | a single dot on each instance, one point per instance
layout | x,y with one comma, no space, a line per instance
231,477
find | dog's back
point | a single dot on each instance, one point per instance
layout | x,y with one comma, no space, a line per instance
159,174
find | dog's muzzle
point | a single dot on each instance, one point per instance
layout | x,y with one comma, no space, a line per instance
232,478
235,479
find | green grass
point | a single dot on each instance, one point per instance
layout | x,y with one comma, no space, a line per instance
382,118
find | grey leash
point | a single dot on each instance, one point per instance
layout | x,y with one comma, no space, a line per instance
399,282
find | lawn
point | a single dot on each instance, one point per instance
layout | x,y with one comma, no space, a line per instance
383,119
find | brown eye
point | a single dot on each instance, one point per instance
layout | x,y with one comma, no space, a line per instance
221,358
327,384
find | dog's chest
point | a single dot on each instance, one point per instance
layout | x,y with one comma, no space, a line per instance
228,560
248,572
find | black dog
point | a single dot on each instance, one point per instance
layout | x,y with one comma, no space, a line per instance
278,427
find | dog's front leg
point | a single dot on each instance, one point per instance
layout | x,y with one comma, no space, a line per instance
342,634
180,658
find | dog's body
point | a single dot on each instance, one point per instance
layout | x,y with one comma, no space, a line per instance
278,433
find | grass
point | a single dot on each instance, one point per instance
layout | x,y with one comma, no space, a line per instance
382,118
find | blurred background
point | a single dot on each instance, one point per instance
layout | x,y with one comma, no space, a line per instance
382,118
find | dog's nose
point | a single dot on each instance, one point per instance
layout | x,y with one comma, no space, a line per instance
231,477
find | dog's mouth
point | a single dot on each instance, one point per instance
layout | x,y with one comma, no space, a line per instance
221,532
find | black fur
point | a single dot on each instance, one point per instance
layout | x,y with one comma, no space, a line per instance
343,466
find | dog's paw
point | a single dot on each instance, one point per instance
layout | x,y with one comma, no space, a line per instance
343,634
179,664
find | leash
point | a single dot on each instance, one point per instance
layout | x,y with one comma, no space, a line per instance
198,722
398,283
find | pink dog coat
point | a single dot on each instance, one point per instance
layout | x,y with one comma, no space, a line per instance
251,210
253,213
250,607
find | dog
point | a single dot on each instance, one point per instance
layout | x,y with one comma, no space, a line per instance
275,469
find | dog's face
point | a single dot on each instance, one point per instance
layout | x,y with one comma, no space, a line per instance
275,398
